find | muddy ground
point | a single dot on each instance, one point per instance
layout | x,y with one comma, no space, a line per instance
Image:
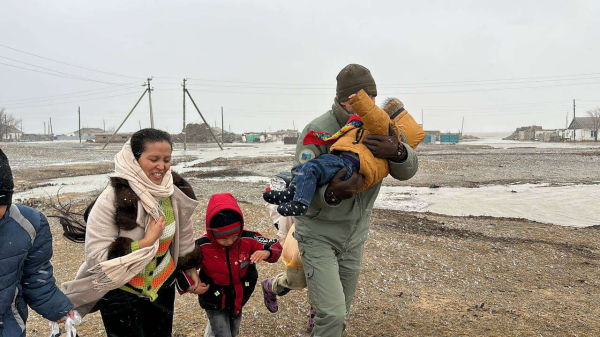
423,274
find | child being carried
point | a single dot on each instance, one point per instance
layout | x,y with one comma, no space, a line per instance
347,151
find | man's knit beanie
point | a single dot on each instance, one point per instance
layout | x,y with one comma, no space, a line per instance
226,223
6,181
353,78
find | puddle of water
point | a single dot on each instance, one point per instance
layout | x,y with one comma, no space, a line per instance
246,179
498,143
208,154
84,184
81,184
570,205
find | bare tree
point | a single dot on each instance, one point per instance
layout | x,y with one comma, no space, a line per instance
595,115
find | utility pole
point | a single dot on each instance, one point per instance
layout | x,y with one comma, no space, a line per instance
293,125
140,124
129,114
44,128
574,131
150,99
184,133
422,122
462,127
79,114
222,127
104,122
6,126
208,125
51,131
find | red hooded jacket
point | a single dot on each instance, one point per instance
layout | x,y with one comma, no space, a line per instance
227,270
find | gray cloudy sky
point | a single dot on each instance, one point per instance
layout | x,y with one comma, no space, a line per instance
500,64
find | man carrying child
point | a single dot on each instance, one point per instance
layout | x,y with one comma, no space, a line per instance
332,233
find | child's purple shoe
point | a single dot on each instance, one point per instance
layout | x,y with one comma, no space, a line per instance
311,320
269,295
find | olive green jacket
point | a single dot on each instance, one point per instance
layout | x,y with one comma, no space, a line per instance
345,225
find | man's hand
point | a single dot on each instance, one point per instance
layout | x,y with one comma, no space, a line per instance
386,147
339,189
259,255
71,314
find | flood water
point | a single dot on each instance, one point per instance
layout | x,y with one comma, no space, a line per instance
567,205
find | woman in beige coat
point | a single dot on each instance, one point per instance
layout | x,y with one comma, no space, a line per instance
138,232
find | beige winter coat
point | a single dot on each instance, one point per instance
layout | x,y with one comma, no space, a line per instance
102,232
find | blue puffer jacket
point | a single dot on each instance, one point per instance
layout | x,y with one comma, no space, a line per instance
25,271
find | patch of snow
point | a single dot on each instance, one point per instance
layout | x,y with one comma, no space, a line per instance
245,179
80,184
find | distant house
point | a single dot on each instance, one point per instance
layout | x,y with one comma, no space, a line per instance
291,136
10,133
449,138
254,137
583,128
86,133
525,133
431,137
544,135
118,138
32,137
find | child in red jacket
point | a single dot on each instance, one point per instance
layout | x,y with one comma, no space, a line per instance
228,267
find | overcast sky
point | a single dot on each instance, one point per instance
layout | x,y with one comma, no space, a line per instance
272,64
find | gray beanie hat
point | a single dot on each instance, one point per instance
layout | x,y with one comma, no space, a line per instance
353,78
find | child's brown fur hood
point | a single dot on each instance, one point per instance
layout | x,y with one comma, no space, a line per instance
391,105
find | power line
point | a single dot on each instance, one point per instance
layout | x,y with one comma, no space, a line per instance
474,82
512,80
45,72
67,94
392,94
56,71
85,100
70,97
69,64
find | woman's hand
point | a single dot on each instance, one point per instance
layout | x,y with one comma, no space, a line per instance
153,232
260,255
198,288
193,274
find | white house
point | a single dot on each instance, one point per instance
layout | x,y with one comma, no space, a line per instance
11,133
583,128
86,133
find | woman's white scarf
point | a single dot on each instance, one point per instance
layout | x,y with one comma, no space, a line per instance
115,273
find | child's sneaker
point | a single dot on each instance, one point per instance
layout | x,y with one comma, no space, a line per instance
311,320
269,295
278,197
293,208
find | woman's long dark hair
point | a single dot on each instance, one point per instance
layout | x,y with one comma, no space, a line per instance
74,224
144,136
